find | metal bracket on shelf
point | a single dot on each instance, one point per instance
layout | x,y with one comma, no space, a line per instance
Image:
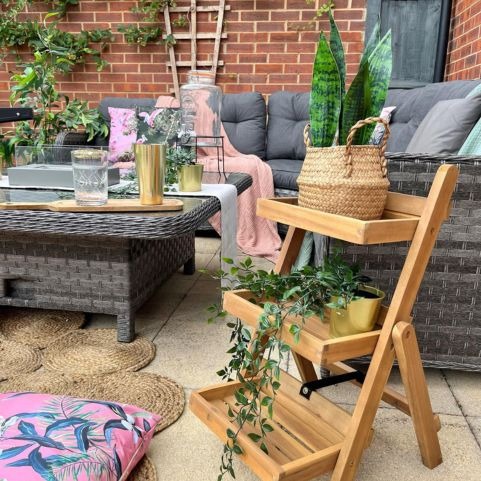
308,387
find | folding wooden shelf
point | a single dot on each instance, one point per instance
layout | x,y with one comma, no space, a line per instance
314,436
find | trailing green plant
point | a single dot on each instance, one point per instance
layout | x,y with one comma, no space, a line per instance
255,361
35,87
333,110
141,35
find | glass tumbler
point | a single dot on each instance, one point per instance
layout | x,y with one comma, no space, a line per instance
90,176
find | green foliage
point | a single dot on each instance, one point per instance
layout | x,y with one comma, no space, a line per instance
35,88
325,101
149,11
141,35
333,110
67,49
255,362
176,157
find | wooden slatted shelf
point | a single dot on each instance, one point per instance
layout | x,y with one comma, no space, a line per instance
307,435
314,343
395,225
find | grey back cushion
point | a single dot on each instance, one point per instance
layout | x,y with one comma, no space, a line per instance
244,120
288,114
243,116
414,104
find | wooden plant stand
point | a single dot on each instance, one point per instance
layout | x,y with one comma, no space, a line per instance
311,434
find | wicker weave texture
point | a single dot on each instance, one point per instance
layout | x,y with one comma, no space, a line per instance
82,274
447,313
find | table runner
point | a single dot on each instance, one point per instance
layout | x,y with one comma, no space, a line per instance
227,195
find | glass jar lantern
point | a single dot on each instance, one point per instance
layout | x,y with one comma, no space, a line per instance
200,101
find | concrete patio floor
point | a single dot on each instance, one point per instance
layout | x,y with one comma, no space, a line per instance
190,351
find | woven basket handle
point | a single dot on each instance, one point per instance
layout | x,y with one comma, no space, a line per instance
382,145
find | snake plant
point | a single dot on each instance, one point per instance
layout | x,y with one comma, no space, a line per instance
334,111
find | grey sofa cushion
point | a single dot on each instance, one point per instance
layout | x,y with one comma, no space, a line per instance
413,105
288,114
244,120
446,126
285,172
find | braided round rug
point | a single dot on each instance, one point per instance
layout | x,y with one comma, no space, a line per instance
144,471
145,390
17,358
97,351
37,327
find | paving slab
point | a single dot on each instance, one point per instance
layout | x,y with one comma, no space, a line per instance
466,387
475,424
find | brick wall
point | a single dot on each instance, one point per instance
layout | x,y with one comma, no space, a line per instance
270,46
464,51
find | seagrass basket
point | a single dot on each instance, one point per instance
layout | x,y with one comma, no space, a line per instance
349,180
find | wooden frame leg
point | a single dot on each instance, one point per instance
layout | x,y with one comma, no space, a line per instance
412,374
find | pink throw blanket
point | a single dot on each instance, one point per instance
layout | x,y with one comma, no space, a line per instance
256,236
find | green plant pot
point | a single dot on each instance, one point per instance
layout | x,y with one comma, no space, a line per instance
190,178
359,316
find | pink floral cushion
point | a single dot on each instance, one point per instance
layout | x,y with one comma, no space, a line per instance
123,133
60,438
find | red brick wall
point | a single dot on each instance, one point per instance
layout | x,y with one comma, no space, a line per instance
270,46
464,51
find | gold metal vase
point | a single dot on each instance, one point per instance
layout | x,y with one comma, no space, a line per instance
359,316
190,178
150,166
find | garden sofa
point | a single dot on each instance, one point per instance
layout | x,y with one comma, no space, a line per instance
447,313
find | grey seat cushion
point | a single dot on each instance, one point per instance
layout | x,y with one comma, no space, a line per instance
413,105
285,172
244,120
288,114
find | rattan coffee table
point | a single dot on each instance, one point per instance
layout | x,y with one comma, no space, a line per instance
96,263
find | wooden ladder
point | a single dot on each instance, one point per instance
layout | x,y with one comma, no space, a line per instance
313,436
193,35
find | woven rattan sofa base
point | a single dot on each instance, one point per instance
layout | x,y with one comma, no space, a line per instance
447,313
93,275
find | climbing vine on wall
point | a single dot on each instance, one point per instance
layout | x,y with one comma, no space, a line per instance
149,12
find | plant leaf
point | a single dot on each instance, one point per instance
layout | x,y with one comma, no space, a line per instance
325,100
337,50
63,423
379,76
27,428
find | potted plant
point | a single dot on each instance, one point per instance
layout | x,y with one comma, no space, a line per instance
182,169
341,174
354,306
255,362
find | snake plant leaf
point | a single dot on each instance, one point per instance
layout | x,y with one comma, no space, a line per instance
373,41
356,102
325,101
367,94
337,50
380,67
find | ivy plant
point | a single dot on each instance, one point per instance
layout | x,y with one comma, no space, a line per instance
150,12
255,360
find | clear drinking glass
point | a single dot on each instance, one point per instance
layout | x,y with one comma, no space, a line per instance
90,176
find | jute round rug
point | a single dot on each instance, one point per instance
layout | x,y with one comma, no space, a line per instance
146,390
37,327
16,358
144,471
96,351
